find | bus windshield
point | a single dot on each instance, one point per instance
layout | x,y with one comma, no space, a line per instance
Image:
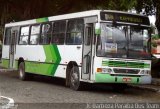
123,41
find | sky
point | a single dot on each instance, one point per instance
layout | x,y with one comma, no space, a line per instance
152,19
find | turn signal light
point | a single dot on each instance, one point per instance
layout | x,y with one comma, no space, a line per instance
104,70
99,69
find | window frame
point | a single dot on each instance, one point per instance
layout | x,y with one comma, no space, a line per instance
58,33
9,40
40,37
69,32
89,34
30,34
25,35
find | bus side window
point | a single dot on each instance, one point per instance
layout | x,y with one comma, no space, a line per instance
75,32
59,29
35,32
46,30
7,36
88,36
24,35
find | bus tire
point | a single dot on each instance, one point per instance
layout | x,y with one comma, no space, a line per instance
21,70
75,83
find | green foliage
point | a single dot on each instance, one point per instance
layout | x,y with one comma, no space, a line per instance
122,5
28,9
151,7
145,6
154,44
1,33
155,37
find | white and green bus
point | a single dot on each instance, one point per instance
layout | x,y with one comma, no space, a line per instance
97,46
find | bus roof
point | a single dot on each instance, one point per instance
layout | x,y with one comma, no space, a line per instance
64,16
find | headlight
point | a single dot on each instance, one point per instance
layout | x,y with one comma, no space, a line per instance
145,72
104,70
109,70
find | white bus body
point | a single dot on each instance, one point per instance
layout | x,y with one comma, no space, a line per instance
30,46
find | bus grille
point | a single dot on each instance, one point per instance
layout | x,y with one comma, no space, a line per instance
126,71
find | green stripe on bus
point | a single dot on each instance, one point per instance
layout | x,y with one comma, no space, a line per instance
125,64
107,78
58,59
45,19
52,55
38,68
50,65
5,63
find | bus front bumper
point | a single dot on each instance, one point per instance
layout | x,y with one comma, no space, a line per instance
107,78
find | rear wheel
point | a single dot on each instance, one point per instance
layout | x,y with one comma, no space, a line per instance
75,83
21,70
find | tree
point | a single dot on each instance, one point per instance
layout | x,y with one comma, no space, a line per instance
17,10
150,7
157,7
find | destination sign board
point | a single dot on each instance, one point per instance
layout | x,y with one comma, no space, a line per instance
122,17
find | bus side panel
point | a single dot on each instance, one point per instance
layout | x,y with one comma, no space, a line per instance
50,60
35,57
68,53
30,53
38,59
5,56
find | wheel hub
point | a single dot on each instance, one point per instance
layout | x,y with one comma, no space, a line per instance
74,78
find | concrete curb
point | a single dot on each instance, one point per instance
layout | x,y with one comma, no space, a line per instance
7,70
7,103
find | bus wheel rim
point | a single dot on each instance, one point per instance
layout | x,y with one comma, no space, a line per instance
21,72
74,78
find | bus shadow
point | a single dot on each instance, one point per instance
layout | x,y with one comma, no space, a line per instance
92,88
107,88
49,80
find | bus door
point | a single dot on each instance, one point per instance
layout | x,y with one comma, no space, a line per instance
14,33
87,51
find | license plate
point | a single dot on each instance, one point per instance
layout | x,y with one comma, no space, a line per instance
127,79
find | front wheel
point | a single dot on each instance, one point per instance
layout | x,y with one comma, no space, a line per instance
75,83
